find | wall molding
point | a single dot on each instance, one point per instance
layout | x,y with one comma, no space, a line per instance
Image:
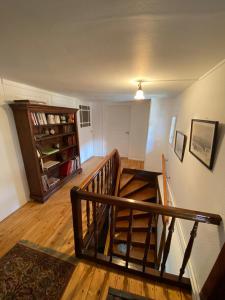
182,245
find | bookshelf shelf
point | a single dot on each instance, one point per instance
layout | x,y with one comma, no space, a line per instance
51,125
53,136
58,165
32,120
59,151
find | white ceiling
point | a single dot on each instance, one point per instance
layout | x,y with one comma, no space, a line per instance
94,49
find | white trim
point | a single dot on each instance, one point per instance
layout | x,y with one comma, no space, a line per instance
183,245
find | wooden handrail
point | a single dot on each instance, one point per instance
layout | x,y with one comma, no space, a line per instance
94,173
153,208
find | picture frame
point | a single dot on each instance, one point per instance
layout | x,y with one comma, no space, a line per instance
203,141
180,144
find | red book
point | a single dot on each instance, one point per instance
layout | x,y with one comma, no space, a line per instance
65,169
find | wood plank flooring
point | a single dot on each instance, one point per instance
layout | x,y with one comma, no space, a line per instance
50,225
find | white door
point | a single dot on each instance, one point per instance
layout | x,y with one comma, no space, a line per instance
117,128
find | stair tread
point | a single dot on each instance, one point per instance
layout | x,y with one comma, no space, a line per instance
137,237
136,223
133,186
125,178
144,194
126,212
136,252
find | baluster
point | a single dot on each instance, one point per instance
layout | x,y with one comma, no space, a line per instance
113,170
101,181
161,246
187,253
95,228
88,211
129,234
167,245
110,176
98,184
93,186
112,229
107,178
147,242
77,222
98,188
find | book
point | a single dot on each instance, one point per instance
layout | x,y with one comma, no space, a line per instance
52,181
35,118
48,151
44,119
44,180
32,118
49,164
40,122
65,169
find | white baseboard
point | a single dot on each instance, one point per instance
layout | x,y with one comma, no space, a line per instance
183,245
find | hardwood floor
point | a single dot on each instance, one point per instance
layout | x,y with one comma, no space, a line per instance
49,225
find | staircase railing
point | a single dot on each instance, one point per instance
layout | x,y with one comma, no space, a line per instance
94,205
89,216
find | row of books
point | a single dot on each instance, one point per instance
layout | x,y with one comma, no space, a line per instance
39,118
69,167
71,140
48,183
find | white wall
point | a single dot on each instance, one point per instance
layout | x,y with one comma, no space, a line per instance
161,113
14,190
192,184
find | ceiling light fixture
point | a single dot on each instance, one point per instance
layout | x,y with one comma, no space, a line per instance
139,94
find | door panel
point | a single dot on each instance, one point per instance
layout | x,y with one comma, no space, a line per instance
117,123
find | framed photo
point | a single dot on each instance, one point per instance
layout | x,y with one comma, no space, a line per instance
180,143
203,141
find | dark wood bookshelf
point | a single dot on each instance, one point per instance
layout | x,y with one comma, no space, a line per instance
32,120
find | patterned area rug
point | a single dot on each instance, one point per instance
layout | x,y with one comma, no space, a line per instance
26,273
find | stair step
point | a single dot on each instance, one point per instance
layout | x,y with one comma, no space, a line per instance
125,179
144,194
133,186
142,223
136,253
137,237
126,213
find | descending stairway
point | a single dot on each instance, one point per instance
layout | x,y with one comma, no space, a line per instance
135,184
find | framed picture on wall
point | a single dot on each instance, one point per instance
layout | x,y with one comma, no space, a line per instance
203,141
180,144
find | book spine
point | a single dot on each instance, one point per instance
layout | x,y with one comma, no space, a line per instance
44,118
35,117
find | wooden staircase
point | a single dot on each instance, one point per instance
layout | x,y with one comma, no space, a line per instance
119,211
134,184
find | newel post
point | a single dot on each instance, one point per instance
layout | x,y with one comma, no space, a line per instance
77,221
